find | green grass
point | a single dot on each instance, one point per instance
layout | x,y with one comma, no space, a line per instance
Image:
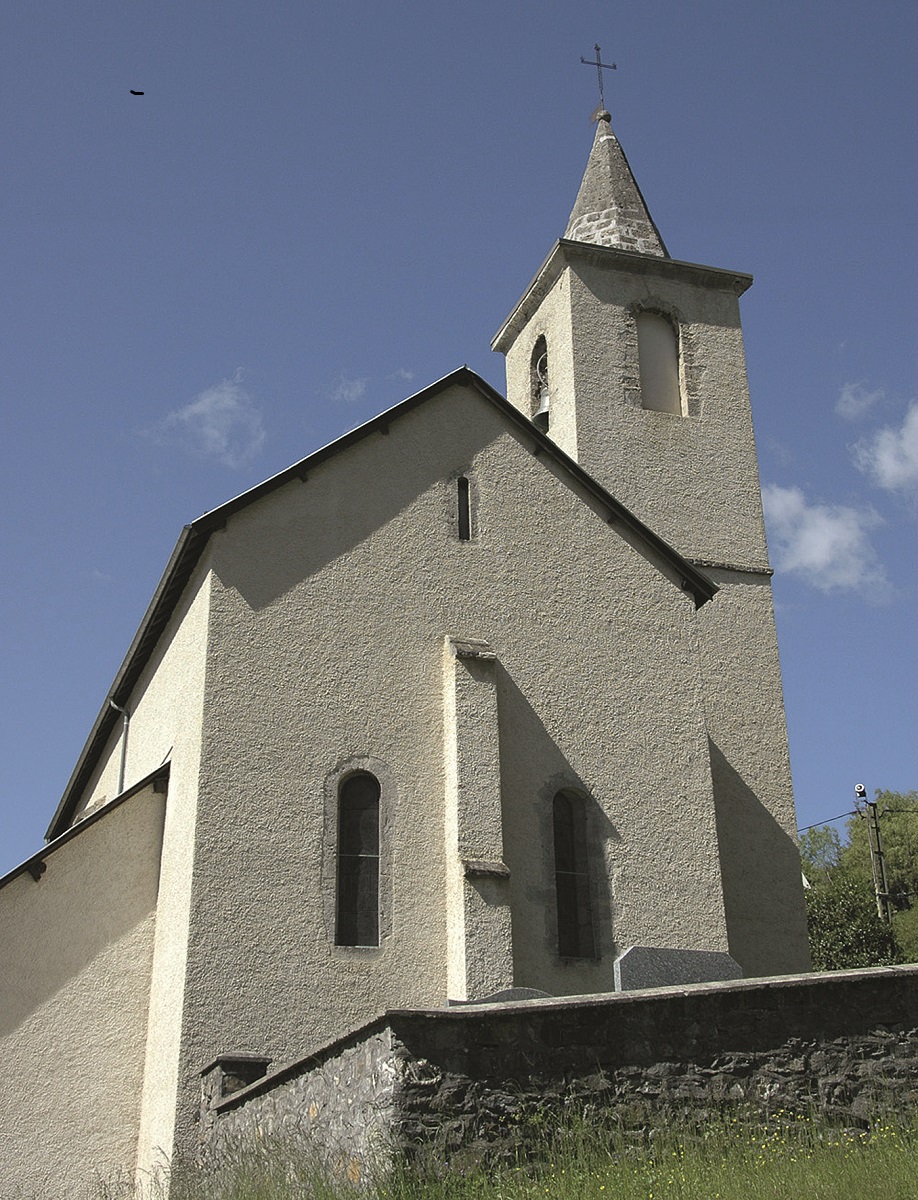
729,1161
792,1158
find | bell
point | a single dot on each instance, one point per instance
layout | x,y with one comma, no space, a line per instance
540,418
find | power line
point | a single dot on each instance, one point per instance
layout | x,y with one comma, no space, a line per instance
816,824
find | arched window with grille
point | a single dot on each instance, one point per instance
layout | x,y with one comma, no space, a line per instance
357,910
572,879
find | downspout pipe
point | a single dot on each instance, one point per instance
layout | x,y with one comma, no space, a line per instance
125,725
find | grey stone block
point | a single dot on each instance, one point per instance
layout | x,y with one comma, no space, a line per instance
506,996
652,966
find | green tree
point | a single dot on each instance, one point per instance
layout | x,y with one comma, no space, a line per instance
898,817
905,927
845,930
820,851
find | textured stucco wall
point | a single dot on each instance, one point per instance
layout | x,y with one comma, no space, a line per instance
553,321
694,480
479,929
76,949
169,705
164,705
331,600
166,712
756,820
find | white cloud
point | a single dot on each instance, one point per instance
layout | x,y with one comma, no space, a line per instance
889,457
780,452
856,399
826,545
348,391
222,423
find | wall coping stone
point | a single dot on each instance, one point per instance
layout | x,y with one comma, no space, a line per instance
393,1019
844,1044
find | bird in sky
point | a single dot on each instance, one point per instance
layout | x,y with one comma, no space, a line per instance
133,93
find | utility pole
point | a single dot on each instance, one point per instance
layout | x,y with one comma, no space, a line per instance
877,860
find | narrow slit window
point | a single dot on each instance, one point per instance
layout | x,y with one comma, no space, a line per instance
572,882
465,510
658,356
357,917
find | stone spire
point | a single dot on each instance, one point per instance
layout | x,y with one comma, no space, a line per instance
609,209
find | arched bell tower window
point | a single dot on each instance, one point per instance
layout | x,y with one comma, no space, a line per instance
572,880
658,356
539,397
357,912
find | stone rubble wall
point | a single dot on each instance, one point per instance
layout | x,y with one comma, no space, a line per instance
843,1045
339,1107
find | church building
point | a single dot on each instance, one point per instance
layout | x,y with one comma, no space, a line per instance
483,695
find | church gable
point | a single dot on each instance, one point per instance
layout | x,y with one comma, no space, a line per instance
367,562
388,482
341,606
350,501
455,468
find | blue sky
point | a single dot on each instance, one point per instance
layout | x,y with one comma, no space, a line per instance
316,209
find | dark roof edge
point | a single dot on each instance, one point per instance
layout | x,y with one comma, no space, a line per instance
565,249
692,578
194,538
724,278
711,564
177,573
37,859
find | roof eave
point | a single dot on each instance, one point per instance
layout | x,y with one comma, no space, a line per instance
179,569
194,537
160,773
565,252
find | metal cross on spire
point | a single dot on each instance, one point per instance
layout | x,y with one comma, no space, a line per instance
600,67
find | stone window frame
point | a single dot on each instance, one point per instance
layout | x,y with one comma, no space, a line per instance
357,860
582,838
689,389
388,804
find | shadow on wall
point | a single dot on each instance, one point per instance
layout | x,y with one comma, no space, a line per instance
533,770
293,535
760,868
97,887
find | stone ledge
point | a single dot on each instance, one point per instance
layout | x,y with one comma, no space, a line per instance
844,1043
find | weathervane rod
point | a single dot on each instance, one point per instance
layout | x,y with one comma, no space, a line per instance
600,66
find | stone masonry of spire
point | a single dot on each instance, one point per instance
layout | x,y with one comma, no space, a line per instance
609,209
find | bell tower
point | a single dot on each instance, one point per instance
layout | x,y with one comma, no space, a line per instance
633,362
